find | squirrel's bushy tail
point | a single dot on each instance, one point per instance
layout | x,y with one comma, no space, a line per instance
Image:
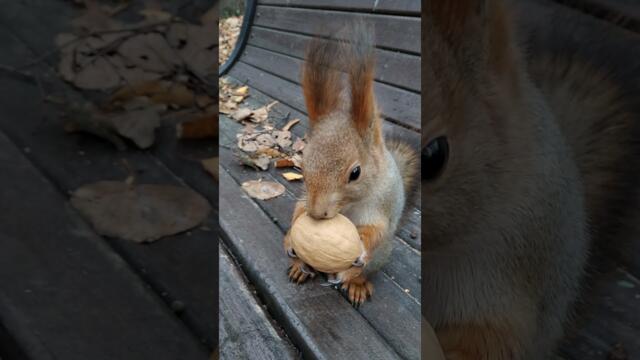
408,164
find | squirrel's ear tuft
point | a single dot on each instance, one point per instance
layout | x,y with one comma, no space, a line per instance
321,78
360,67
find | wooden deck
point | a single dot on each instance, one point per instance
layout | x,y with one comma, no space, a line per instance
67,293
318,321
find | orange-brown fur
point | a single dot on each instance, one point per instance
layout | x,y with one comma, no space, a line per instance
346,134
542,148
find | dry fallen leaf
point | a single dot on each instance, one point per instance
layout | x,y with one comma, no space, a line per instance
290,124
141,213
203,126
283,163
241,114
229,31
282,138
298,145
261,114
211,165
241,91
263,190
291,176
136,125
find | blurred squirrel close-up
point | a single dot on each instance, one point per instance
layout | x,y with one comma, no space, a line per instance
529,166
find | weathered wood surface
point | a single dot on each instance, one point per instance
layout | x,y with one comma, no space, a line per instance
245,330
181,269
392,68
65,294
394,32
380,6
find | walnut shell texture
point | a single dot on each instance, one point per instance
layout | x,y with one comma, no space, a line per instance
329,246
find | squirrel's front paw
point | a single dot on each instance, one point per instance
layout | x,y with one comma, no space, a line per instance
357,289
299,272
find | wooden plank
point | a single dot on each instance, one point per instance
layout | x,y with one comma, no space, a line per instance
401,33
179,268
398,105
318,321
75,298
381,6
392,68
245,331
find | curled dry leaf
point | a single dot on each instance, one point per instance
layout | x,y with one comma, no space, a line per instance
241,91
292,176
241,114
259,162
201,127
263,190
141,213
298,145
290,124
158,91
282,138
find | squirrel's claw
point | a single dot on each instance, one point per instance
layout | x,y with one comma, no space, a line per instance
358,262
291,253
299,272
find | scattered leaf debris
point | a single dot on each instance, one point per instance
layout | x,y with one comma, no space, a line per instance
292,176
263,190
229,32
140,213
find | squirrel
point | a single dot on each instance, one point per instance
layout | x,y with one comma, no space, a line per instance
524,157
348,165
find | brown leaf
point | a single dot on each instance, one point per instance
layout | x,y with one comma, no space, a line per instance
263,190
291,176
241,91
282,138
283,163
141,213
163,92
149,52
261,114
241,114
99,75
201,127
298,145
137,125
95,18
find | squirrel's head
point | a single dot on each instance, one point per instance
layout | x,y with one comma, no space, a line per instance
345,146
472,116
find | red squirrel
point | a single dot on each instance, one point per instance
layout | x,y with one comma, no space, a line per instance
524,155
348,165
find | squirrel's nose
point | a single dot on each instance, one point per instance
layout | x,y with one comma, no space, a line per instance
320,214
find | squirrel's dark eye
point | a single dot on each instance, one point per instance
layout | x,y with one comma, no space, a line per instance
355,174
434,158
